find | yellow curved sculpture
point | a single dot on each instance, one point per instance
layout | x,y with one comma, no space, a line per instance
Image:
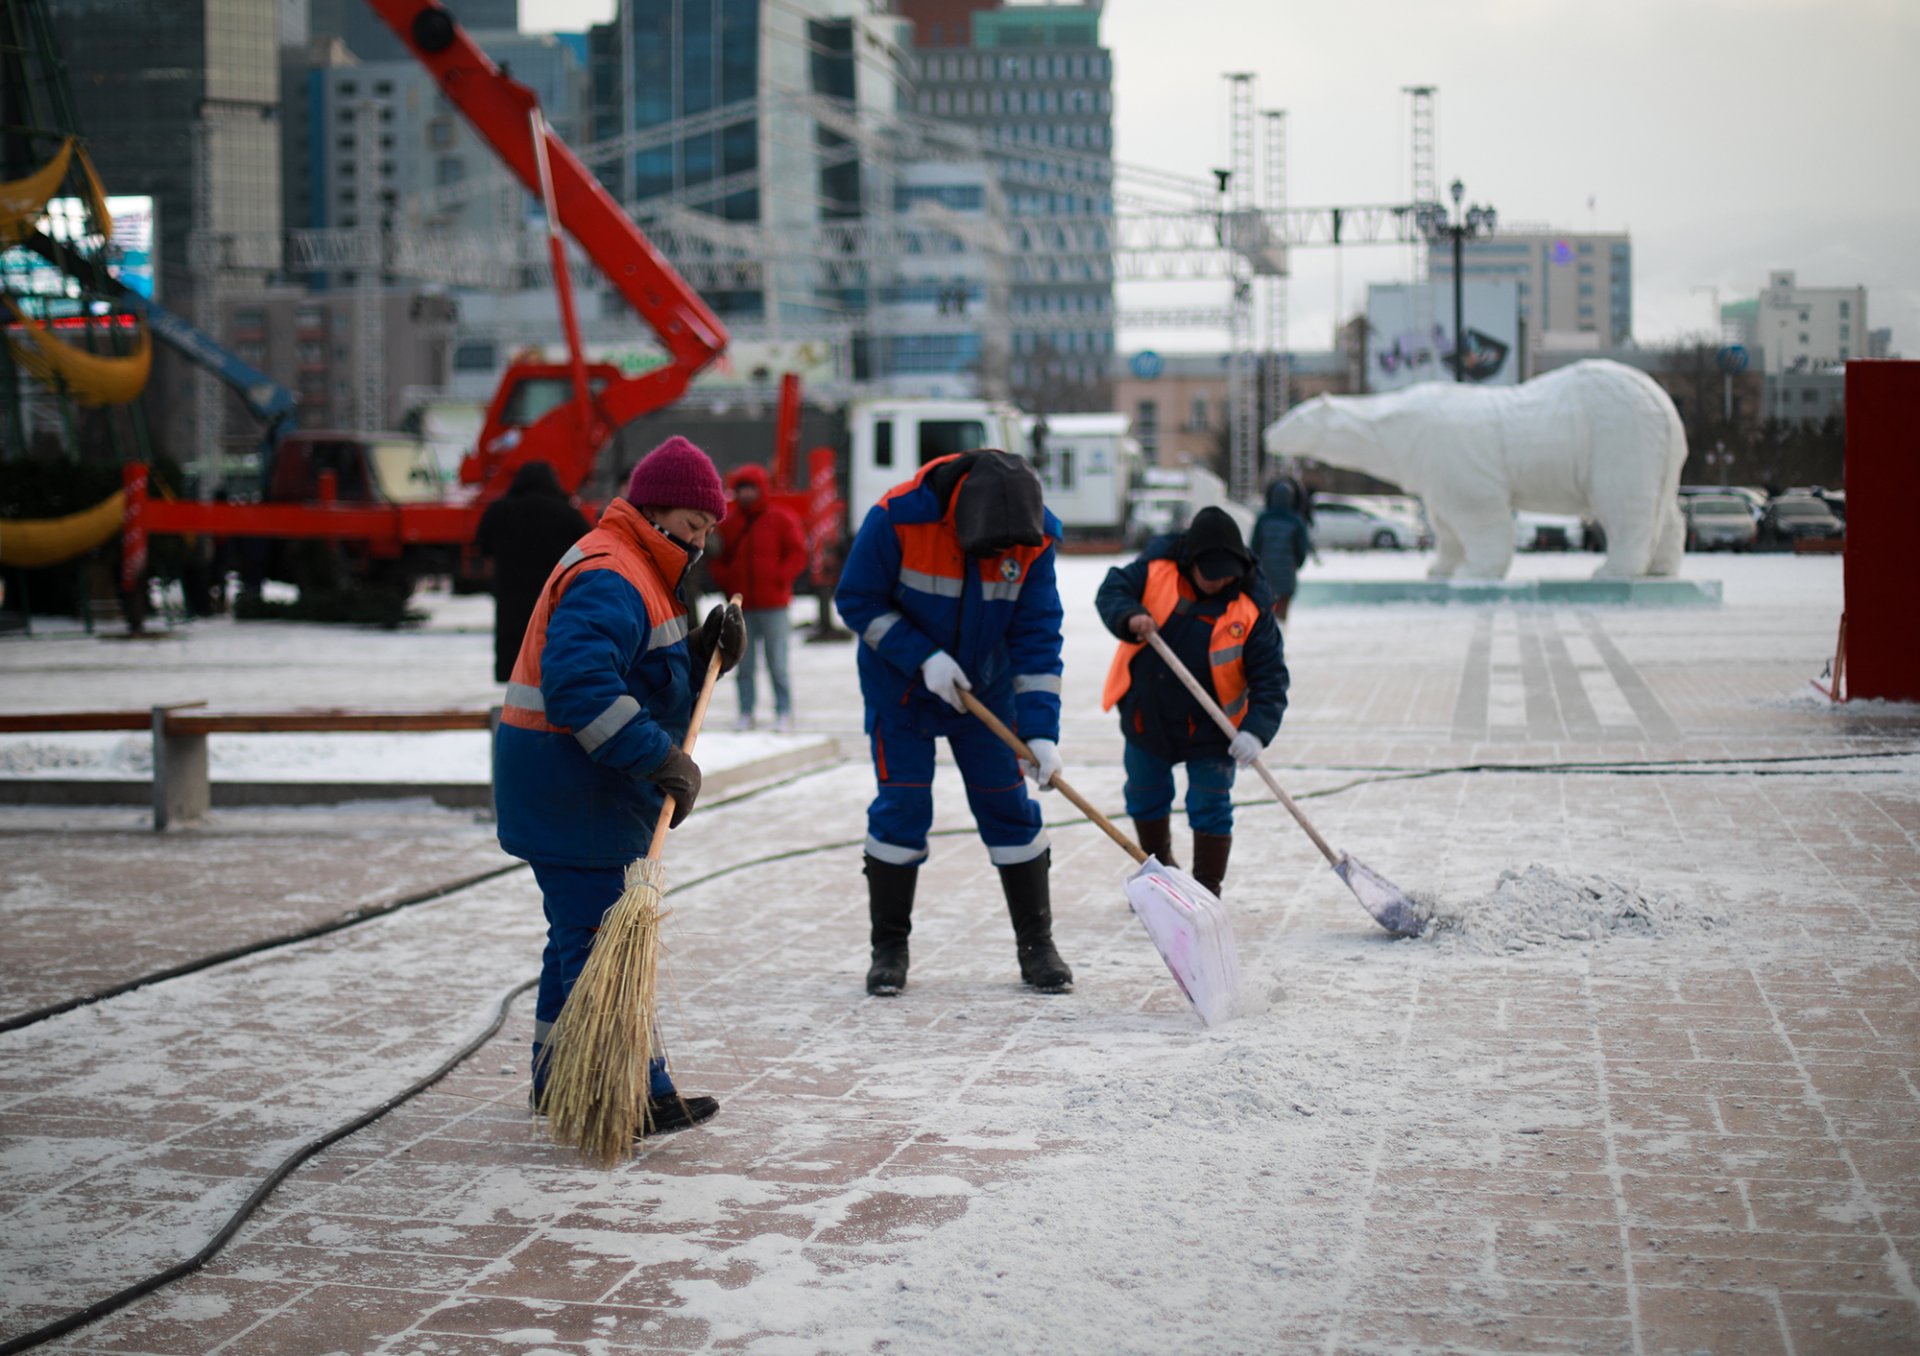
33,542
22,200
90,378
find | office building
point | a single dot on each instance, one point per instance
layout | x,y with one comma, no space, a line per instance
1802,328
1037,85
179,102
1576,290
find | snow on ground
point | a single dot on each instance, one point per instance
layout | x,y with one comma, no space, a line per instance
1437,1134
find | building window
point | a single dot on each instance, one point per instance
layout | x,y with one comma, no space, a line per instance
1845,309
1197,414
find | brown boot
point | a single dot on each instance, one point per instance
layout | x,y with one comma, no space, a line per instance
1210,853
1156,839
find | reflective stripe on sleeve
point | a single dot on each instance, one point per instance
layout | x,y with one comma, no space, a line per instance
527,697
1000,591
668,632
608,723
1036,682
877,628
938,585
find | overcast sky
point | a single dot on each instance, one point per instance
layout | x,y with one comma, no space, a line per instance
1729,137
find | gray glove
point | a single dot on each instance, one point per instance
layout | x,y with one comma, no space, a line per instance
679,776
1244,748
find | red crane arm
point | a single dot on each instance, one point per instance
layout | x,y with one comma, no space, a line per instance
497,106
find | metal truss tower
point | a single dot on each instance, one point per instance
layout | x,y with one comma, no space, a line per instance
1274,186
1243,444
1424,165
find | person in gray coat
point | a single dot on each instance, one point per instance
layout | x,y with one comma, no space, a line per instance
1281,542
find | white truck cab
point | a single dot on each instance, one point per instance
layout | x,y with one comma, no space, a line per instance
890,439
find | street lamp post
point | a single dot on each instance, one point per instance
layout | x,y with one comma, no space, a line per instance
1459,228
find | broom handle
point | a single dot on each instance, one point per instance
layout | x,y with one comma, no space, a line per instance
700,704
1018,745
1225,722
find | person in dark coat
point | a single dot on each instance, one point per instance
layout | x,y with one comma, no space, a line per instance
1203,592
524,533
1281,542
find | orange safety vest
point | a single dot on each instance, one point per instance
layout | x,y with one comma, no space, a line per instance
931,560
1168,592
624,542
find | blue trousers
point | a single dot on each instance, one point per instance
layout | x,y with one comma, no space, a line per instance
1209,789
900,815
575,898
768,630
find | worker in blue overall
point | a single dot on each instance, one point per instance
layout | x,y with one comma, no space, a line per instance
597,707
950,586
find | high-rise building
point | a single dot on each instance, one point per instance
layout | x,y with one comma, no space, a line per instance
724,87
179,102
1576,290
1034,80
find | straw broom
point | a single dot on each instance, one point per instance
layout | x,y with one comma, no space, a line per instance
598,1049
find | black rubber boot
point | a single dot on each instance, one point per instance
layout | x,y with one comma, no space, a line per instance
1210,853
1156,839
890,908
665,1114
1030,905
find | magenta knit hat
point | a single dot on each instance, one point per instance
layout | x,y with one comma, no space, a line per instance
677,474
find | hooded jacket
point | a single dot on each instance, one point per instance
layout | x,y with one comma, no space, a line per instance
1156,711
762,549
1281,540
909,587
524,532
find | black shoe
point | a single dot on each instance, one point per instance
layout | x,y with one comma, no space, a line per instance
890,910
888,973
666,1114
1030,905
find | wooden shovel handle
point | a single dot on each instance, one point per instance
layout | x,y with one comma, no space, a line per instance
1019,746
1225,722
700,705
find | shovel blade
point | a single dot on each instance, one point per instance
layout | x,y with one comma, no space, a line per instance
1190,929
1392,908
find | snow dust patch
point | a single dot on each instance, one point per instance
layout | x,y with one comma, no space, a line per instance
1543,908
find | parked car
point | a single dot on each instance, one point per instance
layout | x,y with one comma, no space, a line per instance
1798,517
1547,531
1718,521
1341,524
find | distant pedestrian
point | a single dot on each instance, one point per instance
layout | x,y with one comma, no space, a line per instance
524,533
762,552
1202,592
1281,540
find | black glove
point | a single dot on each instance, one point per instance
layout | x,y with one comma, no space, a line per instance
724,627
679,776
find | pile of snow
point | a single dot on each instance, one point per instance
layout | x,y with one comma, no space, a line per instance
1541,907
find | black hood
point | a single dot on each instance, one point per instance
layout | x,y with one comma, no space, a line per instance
1213,529
1000,504
536,477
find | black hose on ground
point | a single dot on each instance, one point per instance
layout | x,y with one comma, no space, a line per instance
101,1308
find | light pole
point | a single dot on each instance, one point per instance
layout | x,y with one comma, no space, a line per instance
1459,227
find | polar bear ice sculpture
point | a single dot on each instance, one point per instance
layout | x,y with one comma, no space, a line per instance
1596,438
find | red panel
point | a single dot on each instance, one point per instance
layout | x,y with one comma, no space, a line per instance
1882,566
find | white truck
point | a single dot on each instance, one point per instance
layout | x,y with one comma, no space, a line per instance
1088,464
889,439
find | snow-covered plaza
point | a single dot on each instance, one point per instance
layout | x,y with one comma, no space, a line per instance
1686,1119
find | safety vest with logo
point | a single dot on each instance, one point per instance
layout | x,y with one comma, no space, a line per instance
1167,593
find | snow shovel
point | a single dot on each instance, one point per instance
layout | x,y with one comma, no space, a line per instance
1186,922
1390,906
